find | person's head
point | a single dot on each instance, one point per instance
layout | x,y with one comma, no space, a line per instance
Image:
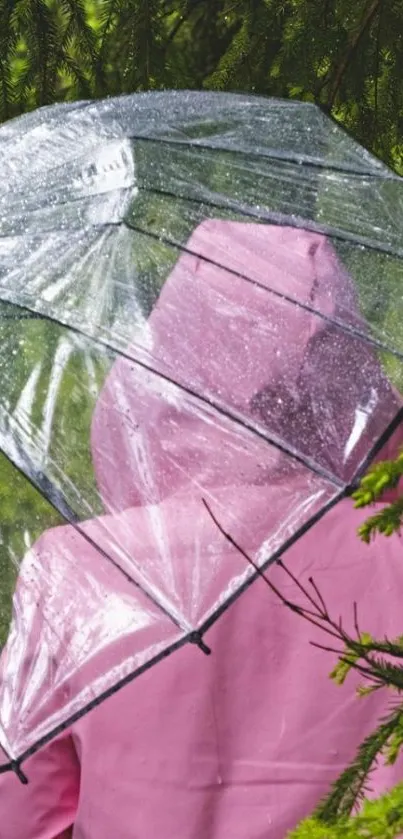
255,328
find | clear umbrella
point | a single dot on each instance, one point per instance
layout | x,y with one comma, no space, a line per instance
200,322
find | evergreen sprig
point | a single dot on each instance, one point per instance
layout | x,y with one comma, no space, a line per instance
381,818
381,477
379,662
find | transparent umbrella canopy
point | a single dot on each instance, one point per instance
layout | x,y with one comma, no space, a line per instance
201,334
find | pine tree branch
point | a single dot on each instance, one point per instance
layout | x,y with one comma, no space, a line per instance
381,817
5,110
356,650
7,45
112,9
377,71
350,786
368,17
184,17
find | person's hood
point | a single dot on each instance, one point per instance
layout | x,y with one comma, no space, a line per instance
170,570
235,323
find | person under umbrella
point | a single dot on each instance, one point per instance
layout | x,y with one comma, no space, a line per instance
245,741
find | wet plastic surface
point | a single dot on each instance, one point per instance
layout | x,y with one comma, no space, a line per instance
200,303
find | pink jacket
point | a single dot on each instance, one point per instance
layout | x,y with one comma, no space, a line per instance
243,743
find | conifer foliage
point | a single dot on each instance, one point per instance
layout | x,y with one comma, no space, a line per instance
348,57
380,663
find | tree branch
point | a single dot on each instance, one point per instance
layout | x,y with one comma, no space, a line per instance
368,17
318,616
377,70
184,17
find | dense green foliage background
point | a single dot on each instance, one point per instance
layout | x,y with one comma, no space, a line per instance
348,57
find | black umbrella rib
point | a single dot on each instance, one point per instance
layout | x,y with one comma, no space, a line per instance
280,445
301,531
307,462
21,316
376,448
274,557
278,219
344,327
278,156
274,154
299,223
15,765
56,499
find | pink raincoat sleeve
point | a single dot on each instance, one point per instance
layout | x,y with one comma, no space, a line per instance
46,807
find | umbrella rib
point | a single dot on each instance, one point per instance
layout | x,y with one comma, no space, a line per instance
389,175
281,219
28,316
189,638
344,327
307,462
56,499
377,447
15,765
272,155
299,223
274,557
383,439
282,446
